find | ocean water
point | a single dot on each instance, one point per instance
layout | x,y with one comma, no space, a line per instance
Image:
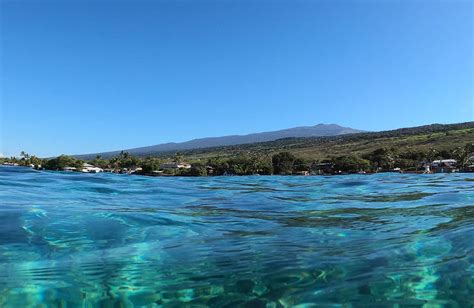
86,240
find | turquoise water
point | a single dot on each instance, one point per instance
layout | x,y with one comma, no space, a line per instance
69,239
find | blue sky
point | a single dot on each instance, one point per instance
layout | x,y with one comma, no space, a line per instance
89,76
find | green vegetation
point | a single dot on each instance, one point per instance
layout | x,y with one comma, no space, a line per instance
25,159
150,164
407,149
283,163
418,139
61,162
353,164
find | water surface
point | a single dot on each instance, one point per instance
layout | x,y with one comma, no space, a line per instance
69,239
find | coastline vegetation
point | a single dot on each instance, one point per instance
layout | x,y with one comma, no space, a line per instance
403,150
280,163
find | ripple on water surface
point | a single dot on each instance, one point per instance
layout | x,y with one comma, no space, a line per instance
103,240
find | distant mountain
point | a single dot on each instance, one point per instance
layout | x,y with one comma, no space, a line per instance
439,137
319,130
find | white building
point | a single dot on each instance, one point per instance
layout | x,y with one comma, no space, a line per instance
88,168
445,162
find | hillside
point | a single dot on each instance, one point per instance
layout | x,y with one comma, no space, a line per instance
438,136
403,148
303,131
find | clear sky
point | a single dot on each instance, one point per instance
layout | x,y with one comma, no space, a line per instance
89,76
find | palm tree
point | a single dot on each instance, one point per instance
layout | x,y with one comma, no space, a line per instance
25,155
25,158
432,155
463,154
178,158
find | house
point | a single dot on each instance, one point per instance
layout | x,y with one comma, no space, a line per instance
175,165
444,166
10,164
88,168
446,162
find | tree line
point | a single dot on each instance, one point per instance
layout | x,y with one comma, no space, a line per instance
263,163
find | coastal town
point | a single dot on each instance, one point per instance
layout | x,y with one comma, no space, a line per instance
460,159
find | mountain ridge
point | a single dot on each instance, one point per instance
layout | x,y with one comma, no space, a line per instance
417,138
318,130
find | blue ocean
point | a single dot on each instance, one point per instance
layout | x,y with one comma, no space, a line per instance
107,240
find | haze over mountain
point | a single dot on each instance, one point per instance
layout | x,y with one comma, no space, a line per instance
319,130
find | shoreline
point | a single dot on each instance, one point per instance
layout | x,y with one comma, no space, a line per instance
241,175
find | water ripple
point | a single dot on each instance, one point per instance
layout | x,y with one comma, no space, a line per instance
70,239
